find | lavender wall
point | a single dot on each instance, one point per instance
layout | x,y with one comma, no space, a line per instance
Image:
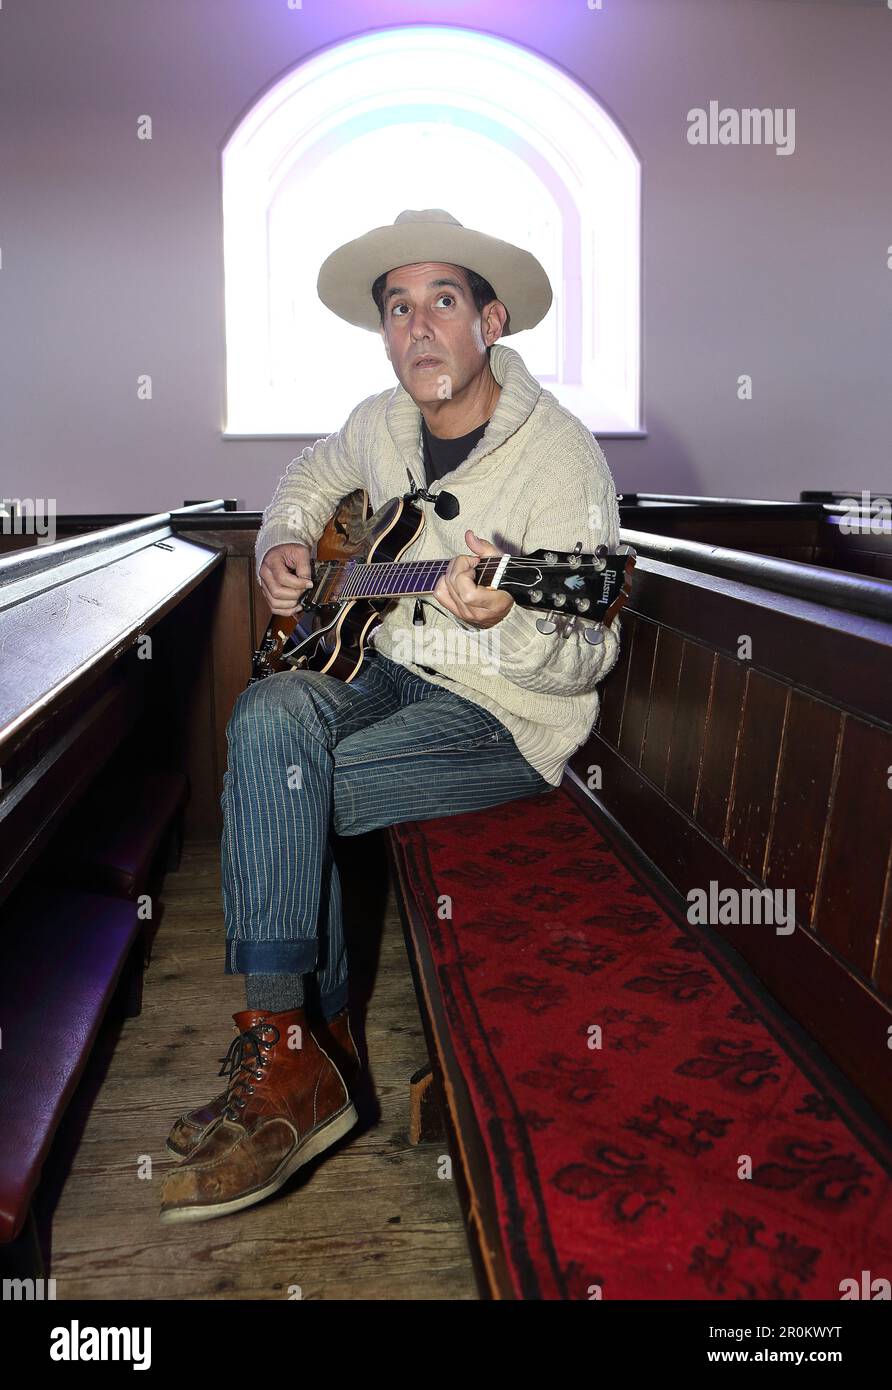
754,262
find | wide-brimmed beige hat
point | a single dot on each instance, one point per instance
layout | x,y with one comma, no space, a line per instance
347,275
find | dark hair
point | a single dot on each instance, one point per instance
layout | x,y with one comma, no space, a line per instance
481,291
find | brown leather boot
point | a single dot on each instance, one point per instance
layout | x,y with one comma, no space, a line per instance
335,1038
285,1105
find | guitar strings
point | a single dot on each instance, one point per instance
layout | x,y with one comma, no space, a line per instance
359,572
380,565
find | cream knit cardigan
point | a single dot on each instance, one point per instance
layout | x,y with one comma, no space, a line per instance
537,478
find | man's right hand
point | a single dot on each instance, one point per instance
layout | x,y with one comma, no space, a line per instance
285,576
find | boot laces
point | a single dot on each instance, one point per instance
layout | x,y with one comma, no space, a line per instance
246,1059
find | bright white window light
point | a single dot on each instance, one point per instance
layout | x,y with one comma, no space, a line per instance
418,117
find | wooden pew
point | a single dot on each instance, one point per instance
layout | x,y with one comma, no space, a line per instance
768,772
814,583
817,530
788,530
89,635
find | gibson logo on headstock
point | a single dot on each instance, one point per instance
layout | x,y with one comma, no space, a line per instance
608,579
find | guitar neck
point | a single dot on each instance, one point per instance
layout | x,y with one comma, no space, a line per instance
337,580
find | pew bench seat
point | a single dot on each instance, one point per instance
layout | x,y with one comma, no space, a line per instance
62,953
629,1113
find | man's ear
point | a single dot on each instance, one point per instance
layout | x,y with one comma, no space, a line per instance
494,316
384,341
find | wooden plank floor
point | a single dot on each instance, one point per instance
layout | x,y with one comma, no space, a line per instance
370,1220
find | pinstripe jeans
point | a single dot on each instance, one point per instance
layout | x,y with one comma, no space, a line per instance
309,753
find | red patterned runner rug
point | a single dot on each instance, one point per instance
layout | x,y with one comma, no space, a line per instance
617,1168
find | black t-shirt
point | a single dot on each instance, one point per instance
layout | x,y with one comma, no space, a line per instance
442,455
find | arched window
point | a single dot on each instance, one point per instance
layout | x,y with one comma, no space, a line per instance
417,117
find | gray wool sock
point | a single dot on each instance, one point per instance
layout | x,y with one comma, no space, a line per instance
277,994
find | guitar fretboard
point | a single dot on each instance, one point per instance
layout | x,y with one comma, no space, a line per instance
338,580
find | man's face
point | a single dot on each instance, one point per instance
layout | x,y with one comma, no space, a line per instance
435,337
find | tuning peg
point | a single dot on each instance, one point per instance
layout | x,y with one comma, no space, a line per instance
546,626
593,635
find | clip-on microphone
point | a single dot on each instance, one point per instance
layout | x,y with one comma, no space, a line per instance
445,503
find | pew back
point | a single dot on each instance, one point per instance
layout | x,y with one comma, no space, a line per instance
813,532
744,740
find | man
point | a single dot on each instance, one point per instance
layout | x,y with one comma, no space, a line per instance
438,721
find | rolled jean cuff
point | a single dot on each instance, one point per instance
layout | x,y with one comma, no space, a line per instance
332,1003
270,957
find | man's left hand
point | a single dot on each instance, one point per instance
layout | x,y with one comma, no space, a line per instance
457,592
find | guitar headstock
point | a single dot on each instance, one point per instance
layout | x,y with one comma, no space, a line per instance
593,587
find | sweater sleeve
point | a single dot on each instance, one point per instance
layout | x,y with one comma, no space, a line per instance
311,487
578,503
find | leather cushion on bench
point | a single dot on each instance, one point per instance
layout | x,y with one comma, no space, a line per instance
618,1167
61,953
111,840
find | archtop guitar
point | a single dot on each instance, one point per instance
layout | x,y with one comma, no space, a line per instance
358,572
